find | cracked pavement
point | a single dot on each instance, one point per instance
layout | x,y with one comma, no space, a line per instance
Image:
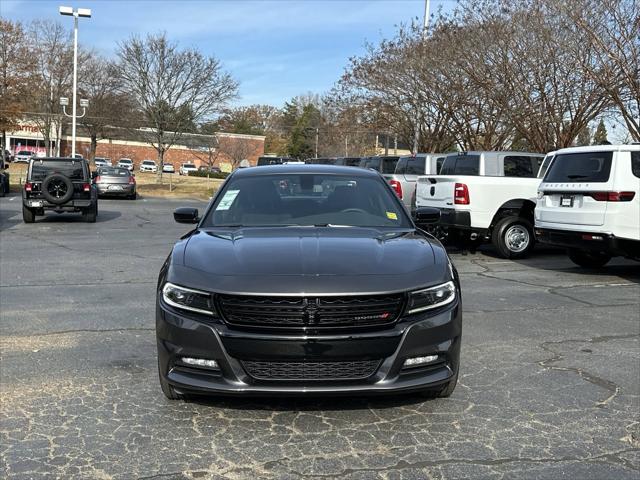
549,385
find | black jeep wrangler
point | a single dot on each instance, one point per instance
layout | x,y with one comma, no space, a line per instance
61,185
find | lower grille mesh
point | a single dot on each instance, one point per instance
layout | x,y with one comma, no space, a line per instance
292,371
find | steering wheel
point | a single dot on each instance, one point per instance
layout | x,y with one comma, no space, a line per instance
353,210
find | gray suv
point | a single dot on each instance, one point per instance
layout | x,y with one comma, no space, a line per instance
408,168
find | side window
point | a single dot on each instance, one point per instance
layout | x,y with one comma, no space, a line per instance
401,167
635,163
518,167
415,166
537,163
439,163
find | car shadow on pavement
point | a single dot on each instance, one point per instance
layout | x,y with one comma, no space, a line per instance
310,404
103,216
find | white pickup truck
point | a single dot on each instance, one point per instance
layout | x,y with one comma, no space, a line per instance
485,196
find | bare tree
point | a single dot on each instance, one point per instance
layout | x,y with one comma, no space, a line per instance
108,105
15,75
174,88
613,27
235,149
51,53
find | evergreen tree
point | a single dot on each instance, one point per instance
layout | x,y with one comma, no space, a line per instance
584,137
600,136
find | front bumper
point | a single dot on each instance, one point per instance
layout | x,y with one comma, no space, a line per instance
182,335
589,241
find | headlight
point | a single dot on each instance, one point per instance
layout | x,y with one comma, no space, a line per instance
188,299
432,297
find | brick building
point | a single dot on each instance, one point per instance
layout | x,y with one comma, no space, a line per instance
224,150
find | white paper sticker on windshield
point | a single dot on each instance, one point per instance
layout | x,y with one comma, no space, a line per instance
227,200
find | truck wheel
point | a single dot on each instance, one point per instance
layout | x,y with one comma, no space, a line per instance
588,259
28,214
91,213
513,237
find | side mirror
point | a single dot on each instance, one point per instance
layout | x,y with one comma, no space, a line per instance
427,215
186,215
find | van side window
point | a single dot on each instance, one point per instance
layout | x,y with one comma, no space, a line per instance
635,163
516,166
401,167
416,166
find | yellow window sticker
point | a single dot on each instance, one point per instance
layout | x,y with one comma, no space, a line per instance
392,215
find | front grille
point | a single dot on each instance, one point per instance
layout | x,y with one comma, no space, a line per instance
297,371
310,312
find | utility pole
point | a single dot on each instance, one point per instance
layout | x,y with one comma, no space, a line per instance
346,145
317,134
80,12
425,31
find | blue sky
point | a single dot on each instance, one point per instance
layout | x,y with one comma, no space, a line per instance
276,49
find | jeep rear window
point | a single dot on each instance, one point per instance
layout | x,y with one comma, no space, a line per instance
580,167
42,169
461,165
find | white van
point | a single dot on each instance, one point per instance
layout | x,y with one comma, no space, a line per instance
589,202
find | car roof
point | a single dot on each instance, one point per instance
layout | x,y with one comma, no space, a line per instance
305,168
57,159
600,148
511,152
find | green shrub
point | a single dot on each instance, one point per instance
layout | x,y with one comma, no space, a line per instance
210,175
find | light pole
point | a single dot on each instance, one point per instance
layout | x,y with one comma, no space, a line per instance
425,31
86,13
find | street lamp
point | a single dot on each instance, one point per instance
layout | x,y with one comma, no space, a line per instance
85,13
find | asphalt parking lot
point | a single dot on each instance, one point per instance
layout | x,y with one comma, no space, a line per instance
549,386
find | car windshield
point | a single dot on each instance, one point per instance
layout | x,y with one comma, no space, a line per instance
113,172
306,200
24,152
580,167
124,161
149,162
42,169
188,165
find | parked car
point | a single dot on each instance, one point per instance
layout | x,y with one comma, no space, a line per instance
408,168
148,166
23,156
589,203
187,168
168,168
386,165
7,156
125,163
485,197
267,160
206,168
59,185
345,316
115,181
102,162
348,161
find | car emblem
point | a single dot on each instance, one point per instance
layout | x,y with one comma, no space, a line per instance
310,311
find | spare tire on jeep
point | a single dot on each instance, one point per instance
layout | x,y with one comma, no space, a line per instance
57,188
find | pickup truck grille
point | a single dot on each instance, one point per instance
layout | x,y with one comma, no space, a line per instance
297,371
302,313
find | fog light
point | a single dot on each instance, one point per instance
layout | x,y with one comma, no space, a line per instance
417,361
199,362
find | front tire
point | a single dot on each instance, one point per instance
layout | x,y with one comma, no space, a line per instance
443,391
588,259
166,387
28,214
513,237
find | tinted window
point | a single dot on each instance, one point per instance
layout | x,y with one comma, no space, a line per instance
371,162
113,172
461,165
545,166
351,161
73,170
401,167
306,199
635,163
389,164
580,167
515,166
416,166
439,163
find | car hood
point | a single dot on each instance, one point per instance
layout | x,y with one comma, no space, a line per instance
294,260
